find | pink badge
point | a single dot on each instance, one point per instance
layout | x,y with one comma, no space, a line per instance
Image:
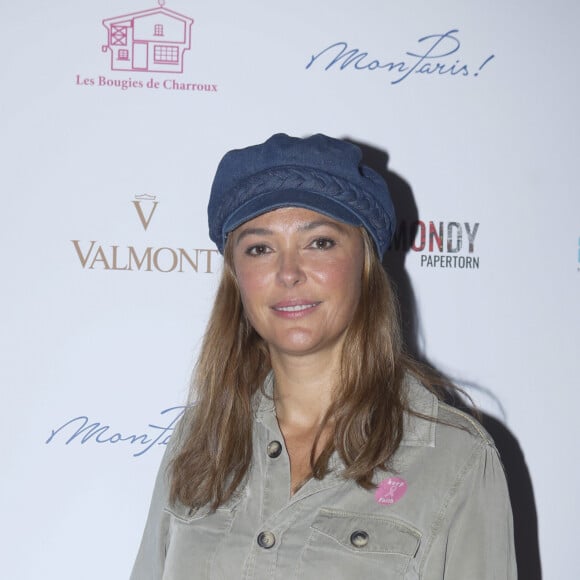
390,490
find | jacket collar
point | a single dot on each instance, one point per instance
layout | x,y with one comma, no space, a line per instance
418,432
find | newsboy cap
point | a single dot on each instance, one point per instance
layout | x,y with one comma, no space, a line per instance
319,173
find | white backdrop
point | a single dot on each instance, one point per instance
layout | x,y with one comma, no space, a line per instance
112,127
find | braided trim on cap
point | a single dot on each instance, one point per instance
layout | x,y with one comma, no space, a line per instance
352,197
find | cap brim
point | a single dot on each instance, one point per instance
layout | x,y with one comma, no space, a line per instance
271,201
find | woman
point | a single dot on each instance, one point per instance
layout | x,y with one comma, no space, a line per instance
314,448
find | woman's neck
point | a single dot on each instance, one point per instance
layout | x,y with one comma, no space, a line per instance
304,388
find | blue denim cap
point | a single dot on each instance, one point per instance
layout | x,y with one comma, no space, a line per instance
319,173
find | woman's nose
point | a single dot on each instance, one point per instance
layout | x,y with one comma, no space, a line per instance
290,271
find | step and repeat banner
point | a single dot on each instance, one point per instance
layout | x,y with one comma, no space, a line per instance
115,114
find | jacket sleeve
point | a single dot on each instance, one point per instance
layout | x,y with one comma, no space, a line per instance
475,540
150,560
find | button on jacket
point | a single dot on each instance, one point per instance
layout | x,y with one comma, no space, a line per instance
442,512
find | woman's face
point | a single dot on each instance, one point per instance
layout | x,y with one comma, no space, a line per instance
299,274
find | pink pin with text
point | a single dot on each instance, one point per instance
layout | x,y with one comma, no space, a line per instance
390,490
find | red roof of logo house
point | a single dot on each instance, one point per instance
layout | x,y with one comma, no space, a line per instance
149,40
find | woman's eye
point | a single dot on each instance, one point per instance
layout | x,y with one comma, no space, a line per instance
323,243
257,250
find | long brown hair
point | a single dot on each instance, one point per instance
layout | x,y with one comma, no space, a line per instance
214,445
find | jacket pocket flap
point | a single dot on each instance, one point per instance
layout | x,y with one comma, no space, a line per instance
185,513
367,532
189,514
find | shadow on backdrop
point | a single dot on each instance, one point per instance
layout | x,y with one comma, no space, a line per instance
517,474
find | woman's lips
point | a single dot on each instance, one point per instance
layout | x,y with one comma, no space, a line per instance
294,309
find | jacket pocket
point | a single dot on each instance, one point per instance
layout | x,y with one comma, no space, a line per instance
187,515
194,538
353,545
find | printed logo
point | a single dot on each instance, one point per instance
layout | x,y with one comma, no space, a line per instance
155,40
390,490
440,244
434,54
150,40
93,255
145,221
81,430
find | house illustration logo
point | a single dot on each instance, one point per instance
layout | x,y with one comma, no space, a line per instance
152,40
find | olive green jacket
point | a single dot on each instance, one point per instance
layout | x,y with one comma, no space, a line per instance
442,512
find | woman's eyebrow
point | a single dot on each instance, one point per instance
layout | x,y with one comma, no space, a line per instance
253,231
319,223
306,227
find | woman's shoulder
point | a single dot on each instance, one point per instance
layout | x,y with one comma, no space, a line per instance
432,420
445,444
